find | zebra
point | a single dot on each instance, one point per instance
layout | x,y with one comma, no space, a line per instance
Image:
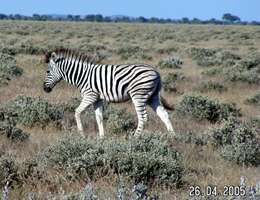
111,83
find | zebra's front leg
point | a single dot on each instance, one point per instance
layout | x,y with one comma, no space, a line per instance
86,101
98,106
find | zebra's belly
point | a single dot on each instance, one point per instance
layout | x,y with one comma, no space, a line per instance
115,98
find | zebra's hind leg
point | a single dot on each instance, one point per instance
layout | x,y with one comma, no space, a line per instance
85,102
140,107
98,106
154,102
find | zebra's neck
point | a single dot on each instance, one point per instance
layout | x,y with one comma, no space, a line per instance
76,71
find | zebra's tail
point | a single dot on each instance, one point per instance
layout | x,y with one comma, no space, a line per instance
166,104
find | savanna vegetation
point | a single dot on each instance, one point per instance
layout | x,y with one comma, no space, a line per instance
210,73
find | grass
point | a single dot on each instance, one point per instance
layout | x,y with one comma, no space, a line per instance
203,165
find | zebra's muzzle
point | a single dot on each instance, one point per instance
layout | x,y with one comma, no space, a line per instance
46,89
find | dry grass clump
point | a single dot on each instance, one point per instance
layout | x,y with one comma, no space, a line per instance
207,86
254,100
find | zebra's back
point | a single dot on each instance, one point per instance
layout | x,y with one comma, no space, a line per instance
116,83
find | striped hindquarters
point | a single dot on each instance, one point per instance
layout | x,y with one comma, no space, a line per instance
116,83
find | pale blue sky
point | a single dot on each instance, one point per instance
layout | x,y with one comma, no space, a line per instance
247,10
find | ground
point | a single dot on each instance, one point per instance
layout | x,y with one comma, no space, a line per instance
117,43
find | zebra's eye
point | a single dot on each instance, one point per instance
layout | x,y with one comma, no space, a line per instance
48,71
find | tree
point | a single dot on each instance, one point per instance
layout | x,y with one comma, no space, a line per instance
98,18
90,18
69,17
230,18
142,19
3,16
36,17
195,21
185,20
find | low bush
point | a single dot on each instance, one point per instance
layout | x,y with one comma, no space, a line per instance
8,68
213,71
207,86
168,50
213,57
170,80
118,121
255,123
243,153
238,142
31,111
203,108
127,52
170,63
238,73
232,131
254,100
246,69
8,129
143,159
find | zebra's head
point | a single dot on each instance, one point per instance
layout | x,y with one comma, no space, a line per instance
53,73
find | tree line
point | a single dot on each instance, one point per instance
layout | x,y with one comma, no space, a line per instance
227,18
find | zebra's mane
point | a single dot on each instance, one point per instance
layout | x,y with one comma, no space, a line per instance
71,53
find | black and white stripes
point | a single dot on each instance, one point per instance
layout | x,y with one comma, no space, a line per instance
112,83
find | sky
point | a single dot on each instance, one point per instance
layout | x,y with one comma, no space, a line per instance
247,10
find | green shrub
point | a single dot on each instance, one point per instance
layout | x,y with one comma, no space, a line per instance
213,71
254,100
170,80
207,86
238,73
12,133
8,68
127,52
170,63
243,153
201,108
7,127
118,121
143,159
31,111
245,70
255,123
238,142
168,50
232,131
212,57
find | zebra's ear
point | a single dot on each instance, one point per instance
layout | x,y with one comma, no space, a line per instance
54,56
